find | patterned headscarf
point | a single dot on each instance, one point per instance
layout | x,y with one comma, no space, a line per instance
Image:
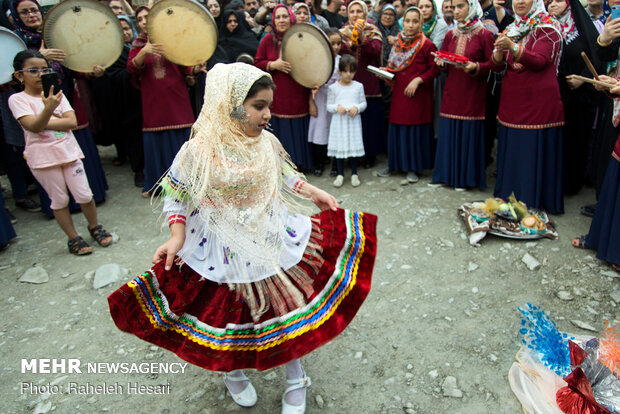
371,31
33,39
472,20
536,17
406,47
232,181
429,27
567,24
277,35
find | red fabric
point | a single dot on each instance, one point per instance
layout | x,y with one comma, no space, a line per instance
165,100
617,149
577,397
368,54
577,355
531,95
419,109
290,99
78,107
218,306
464,94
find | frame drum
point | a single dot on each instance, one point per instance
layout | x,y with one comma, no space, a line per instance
10,45
307,49
186,30
87,31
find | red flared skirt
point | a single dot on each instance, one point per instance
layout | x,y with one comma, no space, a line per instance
211,326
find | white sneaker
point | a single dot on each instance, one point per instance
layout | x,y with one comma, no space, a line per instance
338,181
436,184
355,181
412,177
245,398
384,172
460,189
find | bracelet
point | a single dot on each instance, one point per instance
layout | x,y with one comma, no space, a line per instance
598,40
298,186
176,218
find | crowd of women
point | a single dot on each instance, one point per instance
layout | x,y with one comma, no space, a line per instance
554,132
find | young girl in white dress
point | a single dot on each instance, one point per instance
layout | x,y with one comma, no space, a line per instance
346,101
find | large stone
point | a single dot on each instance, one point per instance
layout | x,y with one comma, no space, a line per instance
35,274
107,274
450,389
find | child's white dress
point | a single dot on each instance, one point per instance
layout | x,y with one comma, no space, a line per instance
345,133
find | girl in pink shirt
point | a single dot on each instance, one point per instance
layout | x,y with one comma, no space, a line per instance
51,151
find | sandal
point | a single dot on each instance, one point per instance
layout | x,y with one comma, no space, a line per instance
245,398
79,247
295,384
580,242
100,235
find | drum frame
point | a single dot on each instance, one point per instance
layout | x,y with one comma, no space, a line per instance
289,33
13,35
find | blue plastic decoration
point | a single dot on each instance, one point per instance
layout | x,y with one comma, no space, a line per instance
540,334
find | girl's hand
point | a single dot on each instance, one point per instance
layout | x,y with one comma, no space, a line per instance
606,79
56,55
341,110
323,200
52,101
168,251
611,31
353,111
314,91
573,83
98,71
469,67
153,49
411,89
281,65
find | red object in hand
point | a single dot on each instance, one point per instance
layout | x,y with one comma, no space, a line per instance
450,57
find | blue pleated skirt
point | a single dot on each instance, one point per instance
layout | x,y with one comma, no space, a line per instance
410,147
160,148
293,134
459,161
92,164
94,173
604,234
7,232
530,163
372,127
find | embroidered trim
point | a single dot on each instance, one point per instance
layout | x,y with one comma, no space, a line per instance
176,218
462,39
462,118
290,116
167,128
298,186
537,126
616,156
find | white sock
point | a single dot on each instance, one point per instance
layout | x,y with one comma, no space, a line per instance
295,371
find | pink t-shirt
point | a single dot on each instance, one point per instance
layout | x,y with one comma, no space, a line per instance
46,148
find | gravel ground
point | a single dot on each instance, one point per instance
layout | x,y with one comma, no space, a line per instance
440,311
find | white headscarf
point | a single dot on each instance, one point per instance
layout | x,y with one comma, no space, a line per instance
472,20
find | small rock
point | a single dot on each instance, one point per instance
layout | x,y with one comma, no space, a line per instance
35,274
405,267
89,275
358,355
564,295
493,357
42,407
115,237
583,325
106,274
472,266
433,373
319,401
271,376
530,261
450,389
409,366
389,381
474,290
615,296
610,273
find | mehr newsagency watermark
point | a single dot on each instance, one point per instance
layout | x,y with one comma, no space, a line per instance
76,366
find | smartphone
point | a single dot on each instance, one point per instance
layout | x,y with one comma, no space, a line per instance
49,80
615,12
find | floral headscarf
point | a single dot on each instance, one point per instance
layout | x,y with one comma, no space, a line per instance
406,47
429,27
472,20
536,17
567,24
371,31
32,39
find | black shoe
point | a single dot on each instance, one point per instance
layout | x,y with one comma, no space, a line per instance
28,205
318,172
11,216
588,210
138,179
333,173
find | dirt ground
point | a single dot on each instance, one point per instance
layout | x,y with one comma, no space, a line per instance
438,307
